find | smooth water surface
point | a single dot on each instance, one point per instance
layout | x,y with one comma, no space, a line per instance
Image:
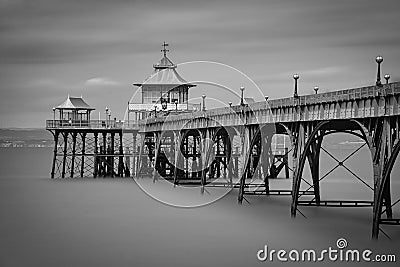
111,222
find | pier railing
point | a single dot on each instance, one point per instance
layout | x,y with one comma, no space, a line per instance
92,124
349,103
363,102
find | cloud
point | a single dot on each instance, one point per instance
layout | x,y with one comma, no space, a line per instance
101,81
52,47
323,71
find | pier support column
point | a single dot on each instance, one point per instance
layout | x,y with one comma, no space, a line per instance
121,157
236,167
96,159
83,136
73,154
246,153
303,149
378,158
177,155
286,162
229,155
229,171
53,167
140,159
103,157
387,199
313,160
389,143
381,155
65,135
205,135
382,190
157,141
245,160
266,156
297,153
134,154
112,155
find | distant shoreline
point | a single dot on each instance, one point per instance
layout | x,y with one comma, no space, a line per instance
26,137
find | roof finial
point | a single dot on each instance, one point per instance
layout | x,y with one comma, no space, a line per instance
165,50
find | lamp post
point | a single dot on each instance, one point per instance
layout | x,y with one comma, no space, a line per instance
204,102
379,60
109,117
54,115
164,104
106,110
241,98
176,105
155,111
316,88
387,77
295,77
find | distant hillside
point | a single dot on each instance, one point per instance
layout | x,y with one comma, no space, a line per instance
25,138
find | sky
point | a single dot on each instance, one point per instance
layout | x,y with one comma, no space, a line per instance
99,48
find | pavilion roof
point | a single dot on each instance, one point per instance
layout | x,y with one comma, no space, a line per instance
165,76
74,103
165,73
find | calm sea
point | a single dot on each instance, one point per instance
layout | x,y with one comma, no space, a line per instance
112,222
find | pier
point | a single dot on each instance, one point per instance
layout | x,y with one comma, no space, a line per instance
233,145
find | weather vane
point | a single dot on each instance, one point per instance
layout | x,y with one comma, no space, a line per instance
165,50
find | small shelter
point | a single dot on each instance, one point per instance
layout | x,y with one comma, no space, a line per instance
74,109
